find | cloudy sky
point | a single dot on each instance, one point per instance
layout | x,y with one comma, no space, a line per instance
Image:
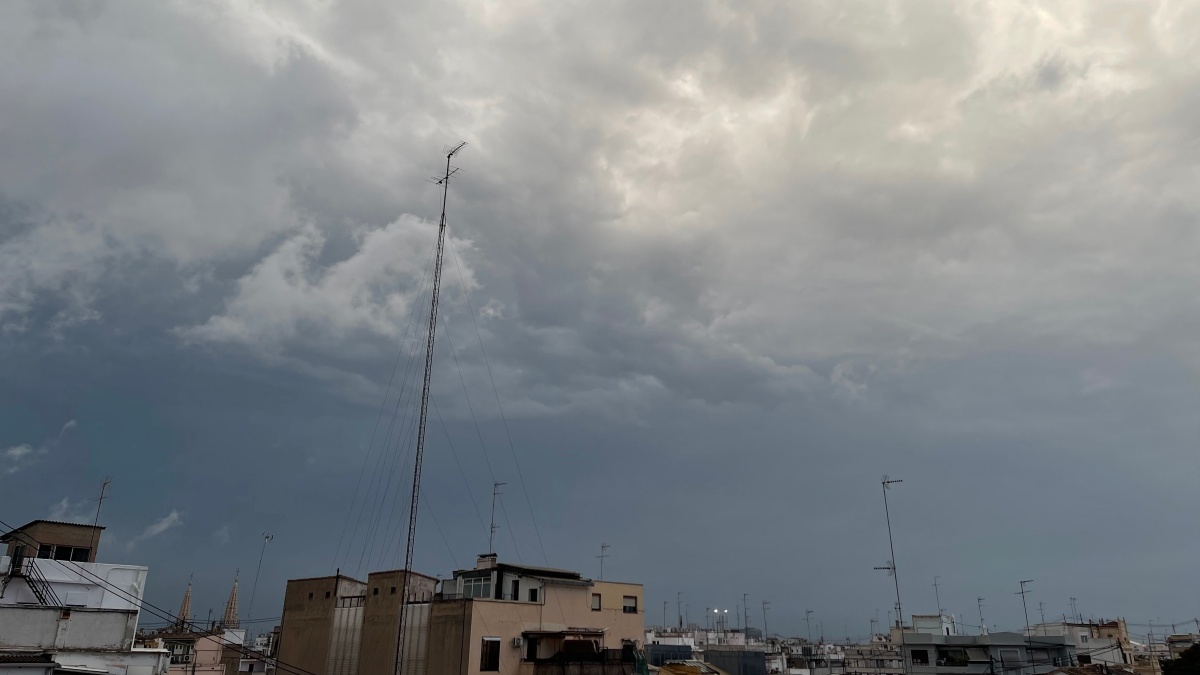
730,263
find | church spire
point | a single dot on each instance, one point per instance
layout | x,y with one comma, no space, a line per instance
185,607
230,620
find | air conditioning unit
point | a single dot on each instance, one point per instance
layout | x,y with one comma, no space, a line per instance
518,641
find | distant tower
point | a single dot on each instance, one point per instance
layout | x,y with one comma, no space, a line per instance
230,620
185,607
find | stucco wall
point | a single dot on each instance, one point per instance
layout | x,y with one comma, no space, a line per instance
307,623
37,627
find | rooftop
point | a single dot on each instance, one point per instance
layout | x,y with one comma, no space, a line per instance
7,535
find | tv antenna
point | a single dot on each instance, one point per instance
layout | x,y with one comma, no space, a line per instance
492,529
603,554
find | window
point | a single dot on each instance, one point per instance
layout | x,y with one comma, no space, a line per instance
375,591
310,596
477,587
1083,639
45,550
533,595
920,657
629,604
1084,659
1011,658
326,595
489,655
952,656
80,554
516,589
595,602
393,590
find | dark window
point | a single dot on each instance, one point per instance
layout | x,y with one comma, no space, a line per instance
629,604
80,554
952,656
516,589
45,550
375,591
920,657
1085,659
531,649
326,595
393,590
310,596
595,602
489,655
62,552
533,595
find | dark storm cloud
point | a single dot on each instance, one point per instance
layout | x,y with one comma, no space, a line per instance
735,261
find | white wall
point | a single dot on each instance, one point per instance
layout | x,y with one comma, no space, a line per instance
77,589
137,662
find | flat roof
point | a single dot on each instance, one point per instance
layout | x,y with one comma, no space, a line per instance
331,576
401,569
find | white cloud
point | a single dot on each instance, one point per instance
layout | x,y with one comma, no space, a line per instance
221,535
17,457
69,511
167,522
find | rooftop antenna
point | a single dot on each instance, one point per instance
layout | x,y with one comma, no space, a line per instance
419,454
808,623
1026,608
267,538
492,529
99,503
937,596
665,603
766,604
982,623
603,554
746,612
679,607
1042,611
1075,612
891,564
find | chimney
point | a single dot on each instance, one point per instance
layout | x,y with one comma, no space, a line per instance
486,561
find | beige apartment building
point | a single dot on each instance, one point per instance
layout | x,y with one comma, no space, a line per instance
523,620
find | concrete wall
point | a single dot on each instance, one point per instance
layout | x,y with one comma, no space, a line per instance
381,617
38,627
308,615
346,640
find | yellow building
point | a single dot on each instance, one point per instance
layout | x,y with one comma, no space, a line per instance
523,620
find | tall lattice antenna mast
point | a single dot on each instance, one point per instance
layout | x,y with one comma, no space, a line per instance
419,455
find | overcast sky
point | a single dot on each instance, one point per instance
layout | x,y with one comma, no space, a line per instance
730,264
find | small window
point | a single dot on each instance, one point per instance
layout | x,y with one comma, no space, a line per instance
375,591
920,657
326,595
595,602
533,595
45,551
80,554
629,604
1010,657
1084,659
310,596
1083,639
489,655
393,590
63,552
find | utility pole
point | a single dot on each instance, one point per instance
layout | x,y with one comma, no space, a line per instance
99,502
766,603
419,454
492,528
1042,611
936,595
603,554
808,622
982,624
